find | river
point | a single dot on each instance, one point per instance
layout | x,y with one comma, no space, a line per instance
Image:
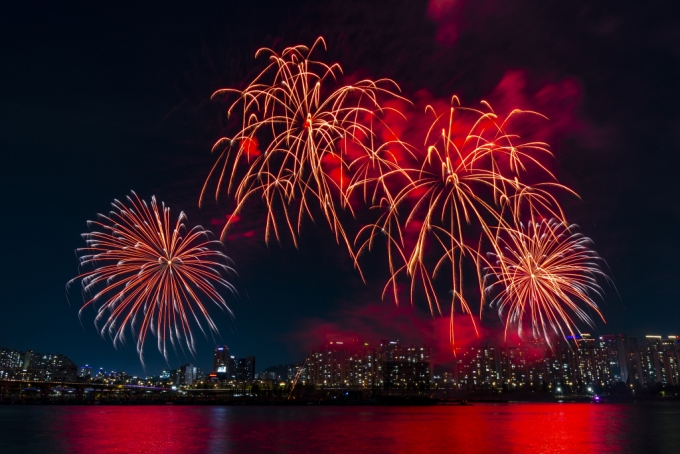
575,428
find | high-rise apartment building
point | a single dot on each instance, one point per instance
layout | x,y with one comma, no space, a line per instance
615,347
34,366
404,367
10,360
581,361
329,366
353,364
660,360
477,366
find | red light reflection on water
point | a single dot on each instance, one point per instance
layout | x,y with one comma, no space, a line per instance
526,428
582,428
109,429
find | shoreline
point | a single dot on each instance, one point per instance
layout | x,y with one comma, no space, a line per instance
308,403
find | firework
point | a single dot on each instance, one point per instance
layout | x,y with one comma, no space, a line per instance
303,145
469,181
149,273
544,276
306,129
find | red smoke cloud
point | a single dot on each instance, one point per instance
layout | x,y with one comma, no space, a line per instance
377,321
558,101
233,218
447,14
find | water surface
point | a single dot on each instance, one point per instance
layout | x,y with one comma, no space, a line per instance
501,428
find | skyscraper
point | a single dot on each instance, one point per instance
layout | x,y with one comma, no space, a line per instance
223,363
245,368
221,360
187,375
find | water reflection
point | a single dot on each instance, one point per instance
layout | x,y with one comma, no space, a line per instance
526,428
108,429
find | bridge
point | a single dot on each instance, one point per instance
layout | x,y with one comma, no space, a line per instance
45,388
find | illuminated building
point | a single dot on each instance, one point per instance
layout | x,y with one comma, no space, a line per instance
293,370
329,366
85,372
10,360
615,346
649,357
582,362
226,367
353,364
245,368
560,364
592,362
404,367
34,366
536,365
512,367
276,373
175,376
660,361
187,375
507,367
670,359
443,379
223,363
362,368
476,366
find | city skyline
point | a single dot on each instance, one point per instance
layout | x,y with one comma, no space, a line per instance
609,367
348,343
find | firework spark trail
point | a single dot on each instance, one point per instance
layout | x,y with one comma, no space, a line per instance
470,179
150,275
307,129
541,277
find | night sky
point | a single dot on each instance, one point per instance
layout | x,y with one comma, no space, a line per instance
100,99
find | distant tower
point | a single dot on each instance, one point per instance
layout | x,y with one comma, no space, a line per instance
223,363
221,360
187,374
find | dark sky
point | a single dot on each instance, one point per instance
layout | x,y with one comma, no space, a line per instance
98,100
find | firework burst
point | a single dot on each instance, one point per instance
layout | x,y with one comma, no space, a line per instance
303,145
469,180
151,274
306,128
544,276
